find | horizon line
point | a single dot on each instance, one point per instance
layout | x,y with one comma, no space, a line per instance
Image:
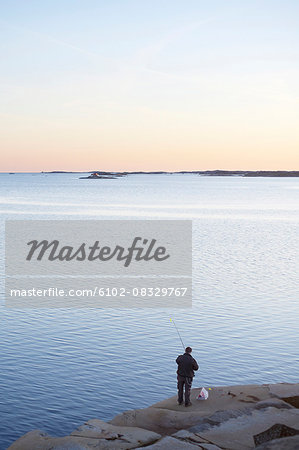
150,171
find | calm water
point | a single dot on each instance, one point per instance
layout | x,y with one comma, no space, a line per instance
60,368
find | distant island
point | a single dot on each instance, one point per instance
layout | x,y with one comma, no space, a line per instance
97,174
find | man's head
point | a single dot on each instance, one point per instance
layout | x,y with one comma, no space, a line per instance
188,350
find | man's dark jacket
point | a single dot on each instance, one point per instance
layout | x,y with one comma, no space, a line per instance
186,365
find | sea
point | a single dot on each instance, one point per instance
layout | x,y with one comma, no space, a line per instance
62,367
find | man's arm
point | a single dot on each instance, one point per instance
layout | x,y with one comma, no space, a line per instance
195,365
178,359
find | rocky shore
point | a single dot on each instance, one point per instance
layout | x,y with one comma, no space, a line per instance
263,417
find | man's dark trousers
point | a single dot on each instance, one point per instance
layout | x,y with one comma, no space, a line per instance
187,382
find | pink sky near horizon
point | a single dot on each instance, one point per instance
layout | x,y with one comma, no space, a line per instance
142,151
128,140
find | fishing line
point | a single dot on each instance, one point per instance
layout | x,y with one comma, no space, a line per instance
171,320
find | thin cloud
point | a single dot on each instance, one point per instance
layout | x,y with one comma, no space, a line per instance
56,41
151,51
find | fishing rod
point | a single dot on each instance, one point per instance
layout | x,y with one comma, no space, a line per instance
203,395
171,320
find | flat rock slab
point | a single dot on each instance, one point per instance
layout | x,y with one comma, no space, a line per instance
274,402
283,390
98,429
238,433
210,447
220,397
287,392
93,434
288,443
170,443
37,440
162,421
275,432
167,416
188,436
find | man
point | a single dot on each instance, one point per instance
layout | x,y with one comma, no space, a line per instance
186,366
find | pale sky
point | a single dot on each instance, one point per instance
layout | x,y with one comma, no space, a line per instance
149,85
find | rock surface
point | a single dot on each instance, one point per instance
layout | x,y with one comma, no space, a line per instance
230,419
289,443
93,434
171,443
237,433
275,432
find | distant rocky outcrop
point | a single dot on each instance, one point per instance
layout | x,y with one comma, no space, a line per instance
98,177
103,175
261,417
